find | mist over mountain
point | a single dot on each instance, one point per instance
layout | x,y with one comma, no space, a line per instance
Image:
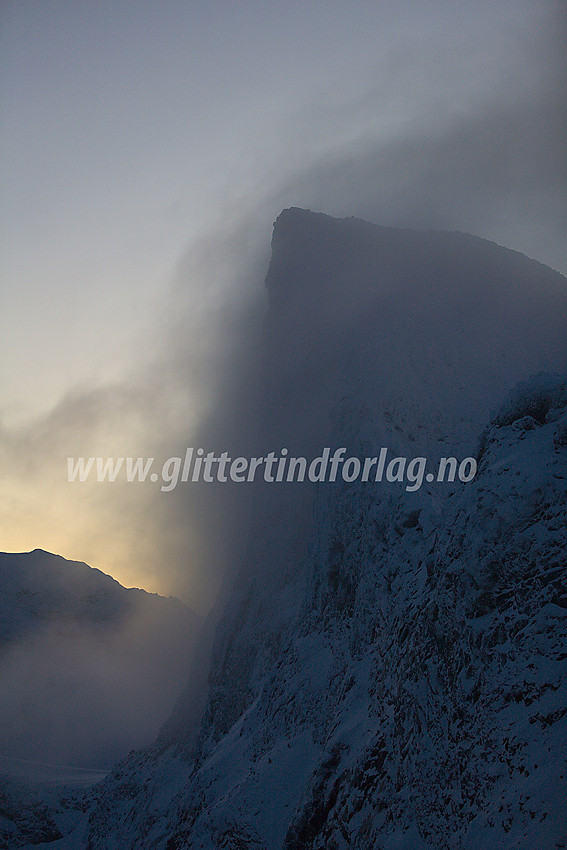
441,323
389,671
88,668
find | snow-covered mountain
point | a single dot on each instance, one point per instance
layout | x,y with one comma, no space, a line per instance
391,669
88,668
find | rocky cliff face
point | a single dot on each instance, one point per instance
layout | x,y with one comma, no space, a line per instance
390,671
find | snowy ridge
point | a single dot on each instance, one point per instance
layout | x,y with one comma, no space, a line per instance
413,692
391,670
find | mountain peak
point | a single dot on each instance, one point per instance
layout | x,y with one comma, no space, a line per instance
387,670
442,323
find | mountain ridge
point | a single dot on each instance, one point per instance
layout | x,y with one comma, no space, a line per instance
388,671
88,668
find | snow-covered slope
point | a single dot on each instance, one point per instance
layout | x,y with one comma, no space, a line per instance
391,669
88,668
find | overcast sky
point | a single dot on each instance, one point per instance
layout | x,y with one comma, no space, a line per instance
147,148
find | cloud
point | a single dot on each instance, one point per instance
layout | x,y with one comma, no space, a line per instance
457,128
489,160
195,390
